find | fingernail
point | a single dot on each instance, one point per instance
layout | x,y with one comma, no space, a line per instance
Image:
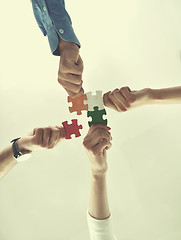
108,128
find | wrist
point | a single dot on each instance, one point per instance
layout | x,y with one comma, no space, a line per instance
66,45
98,177
146,95
23,147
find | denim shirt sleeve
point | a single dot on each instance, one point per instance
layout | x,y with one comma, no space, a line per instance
53,20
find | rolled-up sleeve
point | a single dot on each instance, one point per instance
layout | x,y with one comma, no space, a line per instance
100,229
53,20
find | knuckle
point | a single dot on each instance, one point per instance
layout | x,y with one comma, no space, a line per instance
43,145
40,130
116,94
48,129
115,91
111,96
124,88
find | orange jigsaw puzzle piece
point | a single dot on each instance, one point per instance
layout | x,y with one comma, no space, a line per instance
78,104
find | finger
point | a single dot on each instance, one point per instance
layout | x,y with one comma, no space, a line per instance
70,66
118,95
75,95
55,138
118,105
97,137
107,102
70,86
98,149
97,130
76,69
38,136
72,78
46,137
129,96
94,127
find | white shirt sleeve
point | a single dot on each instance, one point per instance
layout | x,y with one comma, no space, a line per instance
100,229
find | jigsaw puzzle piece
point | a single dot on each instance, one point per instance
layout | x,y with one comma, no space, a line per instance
94,100
78,104
97,116
72,128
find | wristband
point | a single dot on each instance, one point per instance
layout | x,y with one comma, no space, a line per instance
18,155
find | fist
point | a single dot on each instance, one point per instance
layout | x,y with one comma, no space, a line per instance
119,99
70,69
96,142
47,137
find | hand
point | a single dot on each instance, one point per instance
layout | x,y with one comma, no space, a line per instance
70,69
47,137
123,99
96,142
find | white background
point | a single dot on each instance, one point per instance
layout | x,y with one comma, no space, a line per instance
135,43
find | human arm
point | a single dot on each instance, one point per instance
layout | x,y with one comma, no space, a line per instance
39,138
124,99
55,22
97,141
70,69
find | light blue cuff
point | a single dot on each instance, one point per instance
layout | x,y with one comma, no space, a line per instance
65,32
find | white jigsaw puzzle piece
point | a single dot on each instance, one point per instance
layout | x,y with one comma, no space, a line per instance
94,100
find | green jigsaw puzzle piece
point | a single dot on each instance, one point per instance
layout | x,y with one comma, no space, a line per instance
97,116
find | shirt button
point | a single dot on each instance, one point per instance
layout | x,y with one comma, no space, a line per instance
44,9
61,31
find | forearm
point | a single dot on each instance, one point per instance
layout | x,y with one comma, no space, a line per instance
54,21
148,96
7,161
166,95
98,203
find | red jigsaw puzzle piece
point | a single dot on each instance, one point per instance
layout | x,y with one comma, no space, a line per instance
72,128
78,104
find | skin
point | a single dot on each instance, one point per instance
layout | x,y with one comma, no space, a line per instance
124,99
70,69
39,138
96,143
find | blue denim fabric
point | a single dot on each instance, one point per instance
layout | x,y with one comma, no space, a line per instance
53,20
